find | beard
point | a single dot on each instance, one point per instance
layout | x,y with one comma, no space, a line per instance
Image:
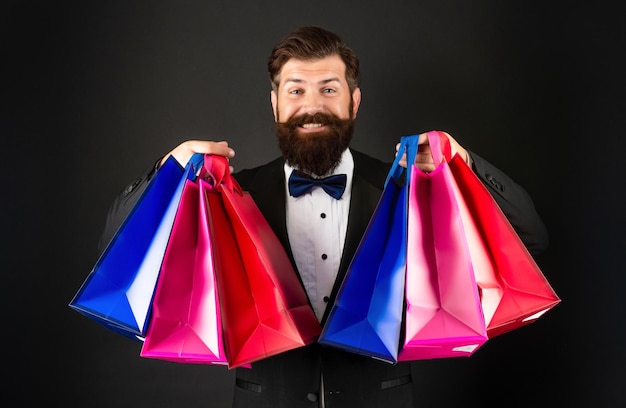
314,153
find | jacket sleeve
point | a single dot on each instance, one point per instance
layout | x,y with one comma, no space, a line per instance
122,205
516,204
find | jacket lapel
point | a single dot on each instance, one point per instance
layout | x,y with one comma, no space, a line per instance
267,188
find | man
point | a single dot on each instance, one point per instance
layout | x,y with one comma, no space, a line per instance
315,100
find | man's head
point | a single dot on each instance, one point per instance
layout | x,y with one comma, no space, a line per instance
312,43
315,98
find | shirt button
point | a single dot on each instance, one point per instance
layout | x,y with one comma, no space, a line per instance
324,256
311,397
326,299
323,215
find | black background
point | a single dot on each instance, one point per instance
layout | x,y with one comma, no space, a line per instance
95,91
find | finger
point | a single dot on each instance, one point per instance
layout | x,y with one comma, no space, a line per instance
422,139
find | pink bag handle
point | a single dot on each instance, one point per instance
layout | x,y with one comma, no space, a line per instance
217,170
440,148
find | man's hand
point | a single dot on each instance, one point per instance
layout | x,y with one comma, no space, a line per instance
183,152
424,159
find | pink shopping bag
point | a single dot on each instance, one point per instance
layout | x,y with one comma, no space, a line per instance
443,311
186,324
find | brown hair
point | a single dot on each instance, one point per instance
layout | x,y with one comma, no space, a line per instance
312,43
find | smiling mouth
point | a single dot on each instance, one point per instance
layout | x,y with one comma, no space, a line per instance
312,125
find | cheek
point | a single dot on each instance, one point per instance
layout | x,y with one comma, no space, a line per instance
343,109
284,111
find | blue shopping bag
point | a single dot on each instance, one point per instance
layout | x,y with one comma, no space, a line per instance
118,291
366,317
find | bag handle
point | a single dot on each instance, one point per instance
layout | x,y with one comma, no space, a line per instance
408,145
195,162
440,148
193,166
217,171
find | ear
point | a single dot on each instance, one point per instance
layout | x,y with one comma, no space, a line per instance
356,101
274,99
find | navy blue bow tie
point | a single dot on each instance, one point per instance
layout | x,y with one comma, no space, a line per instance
300,183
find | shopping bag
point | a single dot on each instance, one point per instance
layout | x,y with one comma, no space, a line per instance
265,310
366,317
443,312
186,324
514,291
118,291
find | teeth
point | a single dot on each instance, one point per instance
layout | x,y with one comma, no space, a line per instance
311,125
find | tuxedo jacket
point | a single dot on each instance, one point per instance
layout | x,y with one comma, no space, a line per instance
292,379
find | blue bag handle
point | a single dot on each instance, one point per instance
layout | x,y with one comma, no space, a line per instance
193,165
408,145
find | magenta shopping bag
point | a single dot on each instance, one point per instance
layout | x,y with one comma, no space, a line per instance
443,311
186,324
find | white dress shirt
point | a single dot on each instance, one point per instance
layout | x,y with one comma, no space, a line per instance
316,226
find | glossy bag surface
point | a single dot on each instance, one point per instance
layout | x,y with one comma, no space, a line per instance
265,310
118,291
186,324
443,312
366,317
514,291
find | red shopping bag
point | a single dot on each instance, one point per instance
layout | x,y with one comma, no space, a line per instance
186,324
265,310
514,291
443,311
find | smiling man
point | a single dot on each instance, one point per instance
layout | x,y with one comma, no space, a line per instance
314,110
315,99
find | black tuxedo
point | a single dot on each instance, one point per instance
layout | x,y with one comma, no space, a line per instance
292,379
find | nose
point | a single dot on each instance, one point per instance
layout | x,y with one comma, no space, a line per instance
312,103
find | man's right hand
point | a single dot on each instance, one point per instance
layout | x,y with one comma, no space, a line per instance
183,152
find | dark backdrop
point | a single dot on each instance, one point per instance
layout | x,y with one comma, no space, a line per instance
97,90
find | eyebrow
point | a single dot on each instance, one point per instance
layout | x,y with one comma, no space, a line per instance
322,82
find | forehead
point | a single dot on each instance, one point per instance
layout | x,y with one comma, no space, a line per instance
318,70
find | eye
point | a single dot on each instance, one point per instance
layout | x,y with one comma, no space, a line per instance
328,90
295,91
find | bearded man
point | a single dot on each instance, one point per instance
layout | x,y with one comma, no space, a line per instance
315,98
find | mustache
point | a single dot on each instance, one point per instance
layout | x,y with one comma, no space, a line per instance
318,117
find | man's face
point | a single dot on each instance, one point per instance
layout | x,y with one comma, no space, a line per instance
314,113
